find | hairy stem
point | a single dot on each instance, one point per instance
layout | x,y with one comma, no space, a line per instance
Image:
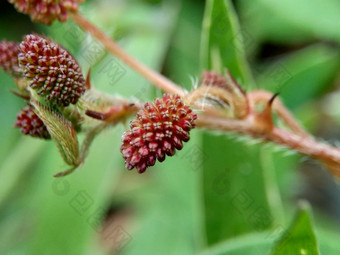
154,77
305,145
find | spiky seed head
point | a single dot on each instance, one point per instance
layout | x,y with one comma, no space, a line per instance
47,11
31,124
160,128
9,58
51,70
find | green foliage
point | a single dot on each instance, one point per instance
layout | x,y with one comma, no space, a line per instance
299,238
223,194
305,74
232,187
222,43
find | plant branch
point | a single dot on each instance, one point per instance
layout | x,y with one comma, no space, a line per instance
154,77
256,125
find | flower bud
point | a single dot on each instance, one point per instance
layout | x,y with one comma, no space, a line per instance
51,70
46,11
31,124
160,128
9,58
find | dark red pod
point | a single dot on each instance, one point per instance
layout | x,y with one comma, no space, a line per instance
52,71
9,58
31,124
46,11
159,129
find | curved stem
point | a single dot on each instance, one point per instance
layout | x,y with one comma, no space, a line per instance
223,124
154,77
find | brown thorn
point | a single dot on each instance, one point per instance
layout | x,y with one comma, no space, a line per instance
88,80
67,172
264,120
96,115
271,100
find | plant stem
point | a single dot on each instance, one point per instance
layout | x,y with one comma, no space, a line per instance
154,77
298,140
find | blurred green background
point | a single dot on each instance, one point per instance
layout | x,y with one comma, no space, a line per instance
222,194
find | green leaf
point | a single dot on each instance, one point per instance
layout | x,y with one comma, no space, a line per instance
71,208
12,169
61,130
292,21
249,244
300,237
183,63
329,241
222,43
236,195
236,192
301,76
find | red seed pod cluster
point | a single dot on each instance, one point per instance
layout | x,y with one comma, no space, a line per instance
9,58
31,124
51,70
212,78
46,11
160,128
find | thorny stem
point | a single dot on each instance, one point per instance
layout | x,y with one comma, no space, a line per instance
149,74
263,96
298,139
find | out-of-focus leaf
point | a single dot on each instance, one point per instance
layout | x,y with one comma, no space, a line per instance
71,208
292,21
301,76
9,108
234,180
248,244
300,237
183,61
328,242
238,187
12,169
222,42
